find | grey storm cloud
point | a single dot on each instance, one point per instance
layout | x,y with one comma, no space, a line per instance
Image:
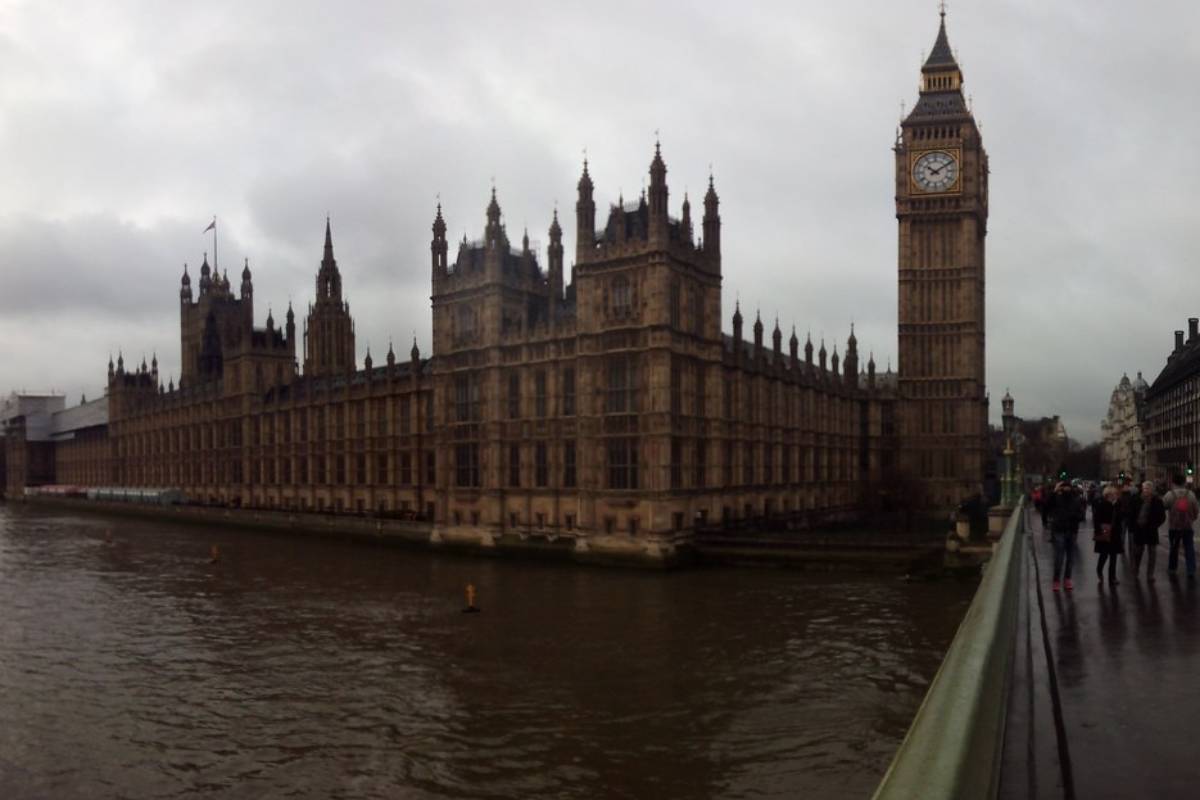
125,126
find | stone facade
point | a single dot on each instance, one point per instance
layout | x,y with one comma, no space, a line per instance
607,405
1172,413
942,209
1122,441
615,405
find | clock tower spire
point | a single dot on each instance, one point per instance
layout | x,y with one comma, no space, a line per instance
942,208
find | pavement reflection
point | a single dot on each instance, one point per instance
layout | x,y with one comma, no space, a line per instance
1127,659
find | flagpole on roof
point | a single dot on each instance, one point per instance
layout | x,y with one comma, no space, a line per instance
212,226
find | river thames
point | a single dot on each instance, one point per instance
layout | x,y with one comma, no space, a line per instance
305,668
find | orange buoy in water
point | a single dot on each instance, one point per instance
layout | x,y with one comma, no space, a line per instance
215,554
470,609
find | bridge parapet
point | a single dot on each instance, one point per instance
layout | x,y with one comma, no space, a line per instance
953,747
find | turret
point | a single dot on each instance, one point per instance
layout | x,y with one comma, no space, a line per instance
794,346
555,265
851,364
415,355
205,276
329,279
438,247
120,363
658,198
808,351
821,354
685,223
154,366
758,337
737,329
871,372
367,362
111,369
328,330
391,357
712,226
185,286
247,286
833,361
290,329
494,232
585,218
777,339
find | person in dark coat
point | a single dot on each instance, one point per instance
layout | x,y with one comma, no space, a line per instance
1109,535
1066,510
1146,515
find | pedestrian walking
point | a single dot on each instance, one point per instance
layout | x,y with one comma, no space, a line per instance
1147,514
1108,533
1066,510
1125,510
1182,510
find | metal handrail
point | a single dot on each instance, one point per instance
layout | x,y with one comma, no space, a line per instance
953,747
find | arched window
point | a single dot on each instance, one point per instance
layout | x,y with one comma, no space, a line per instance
622,296
465,324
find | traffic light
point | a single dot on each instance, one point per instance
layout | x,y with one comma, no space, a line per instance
1062,474
1122,476
1191,469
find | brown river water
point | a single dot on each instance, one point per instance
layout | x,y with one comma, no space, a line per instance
322,669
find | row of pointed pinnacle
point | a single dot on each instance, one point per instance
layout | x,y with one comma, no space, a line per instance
657,170
777,337
585,187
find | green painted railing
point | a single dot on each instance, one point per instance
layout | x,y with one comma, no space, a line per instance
953,748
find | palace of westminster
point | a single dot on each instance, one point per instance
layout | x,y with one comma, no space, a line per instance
606,402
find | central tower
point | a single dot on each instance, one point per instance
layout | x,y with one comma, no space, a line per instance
329,330
941,207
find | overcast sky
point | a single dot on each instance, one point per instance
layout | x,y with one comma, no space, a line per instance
125,126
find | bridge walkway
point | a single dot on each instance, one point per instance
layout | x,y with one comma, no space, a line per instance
1124,662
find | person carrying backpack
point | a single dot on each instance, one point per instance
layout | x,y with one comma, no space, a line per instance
1182,510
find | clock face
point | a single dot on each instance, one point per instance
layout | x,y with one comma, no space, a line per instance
936,171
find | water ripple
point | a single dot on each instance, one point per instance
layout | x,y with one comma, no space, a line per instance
315,669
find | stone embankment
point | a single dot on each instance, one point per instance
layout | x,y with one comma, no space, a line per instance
858,550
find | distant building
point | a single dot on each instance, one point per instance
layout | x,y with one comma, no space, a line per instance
1122,437
44,442
1172,415
1044,445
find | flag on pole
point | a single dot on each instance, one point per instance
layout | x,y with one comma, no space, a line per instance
211,225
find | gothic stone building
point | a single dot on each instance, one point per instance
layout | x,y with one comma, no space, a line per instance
942,208
1122,440
603,407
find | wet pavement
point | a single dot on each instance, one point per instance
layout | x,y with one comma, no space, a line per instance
1125,662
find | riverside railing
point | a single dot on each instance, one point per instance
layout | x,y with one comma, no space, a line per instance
953,747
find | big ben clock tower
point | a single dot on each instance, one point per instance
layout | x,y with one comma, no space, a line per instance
941,207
